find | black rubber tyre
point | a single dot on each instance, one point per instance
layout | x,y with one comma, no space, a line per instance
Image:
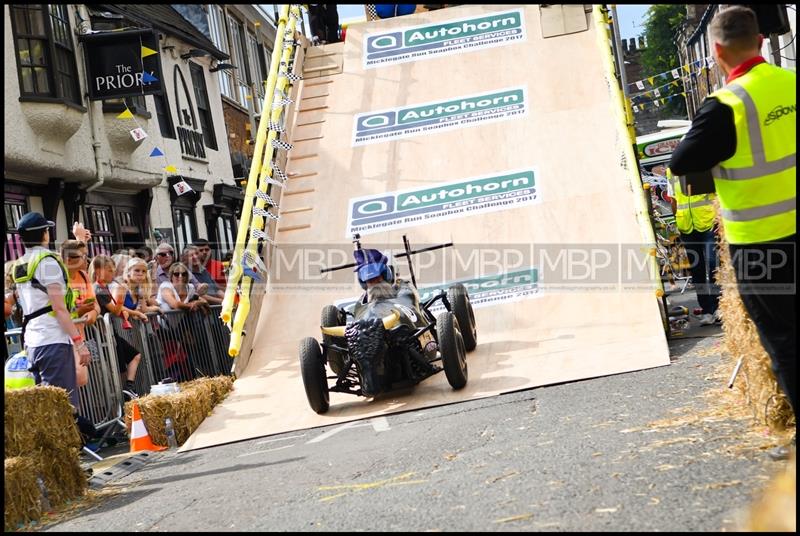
460,305
312,369
331,317
451,346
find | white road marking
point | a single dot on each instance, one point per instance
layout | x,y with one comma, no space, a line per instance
379,424
263,451
280,439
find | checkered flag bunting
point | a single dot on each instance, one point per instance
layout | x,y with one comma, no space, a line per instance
264,213
270,180
258,233
293,77
265,197
278,144
281,103
277,127
276,171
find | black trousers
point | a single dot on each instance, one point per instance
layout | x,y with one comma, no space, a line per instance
765,276
701,249
324,22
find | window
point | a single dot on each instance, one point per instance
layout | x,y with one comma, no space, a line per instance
44,51
100,222
135,104
216,26
185,227
258,73
15,207
243,72
164,115
226,227
203,106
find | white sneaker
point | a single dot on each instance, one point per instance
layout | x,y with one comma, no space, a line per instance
717,317
706,320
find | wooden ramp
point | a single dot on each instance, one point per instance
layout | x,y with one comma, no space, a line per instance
485,133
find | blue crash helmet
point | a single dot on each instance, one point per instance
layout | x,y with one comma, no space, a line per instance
371,263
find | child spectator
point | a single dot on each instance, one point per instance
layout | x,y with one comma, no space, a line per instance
139,287
110,297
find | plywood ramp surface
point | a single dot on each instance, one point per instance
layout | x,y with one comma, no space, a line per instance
566,329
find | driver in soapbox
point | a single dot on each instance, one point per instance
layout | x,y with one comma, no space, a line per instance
377,278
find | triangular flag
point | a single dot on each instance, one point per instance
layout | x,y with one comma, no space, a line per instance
635,109
675,74
148,78
651,80
126,114
656,92
156,152
640,85
664,76
686,68
182,187
675,83
148,52
656,103
171,169
663,101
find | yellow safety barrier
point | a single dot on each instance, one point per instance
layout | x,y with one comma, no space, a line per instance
258,181
625,129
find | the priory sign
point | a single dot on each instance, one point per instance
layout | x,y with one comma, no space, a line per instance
122,64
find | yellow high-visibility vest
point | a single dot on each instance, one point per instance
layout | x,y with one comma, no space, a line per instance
757,185
694,212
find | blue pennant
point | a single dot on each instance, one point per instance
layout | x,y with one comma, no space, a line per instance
148,78
156,152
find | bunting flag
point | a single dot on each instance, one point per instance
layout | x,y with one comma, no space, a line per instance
138,134
171,169
650,79
156,152
258,233
635,108
147,52
182,187
293,77
270,180
640,85
148,78
265,197
253,266
656,103
686,68
708,61
264,213
126,114
277,127
675,74
656,92
277,171
278,144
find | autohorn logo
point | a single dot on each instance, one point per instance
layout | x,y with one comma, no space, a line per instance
778,112
449,37
429,117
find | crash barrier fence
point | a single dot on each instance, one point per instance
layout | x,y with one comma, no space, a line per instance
176,344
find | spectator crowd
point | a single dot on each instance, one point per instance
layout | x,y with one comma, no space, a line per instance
131,284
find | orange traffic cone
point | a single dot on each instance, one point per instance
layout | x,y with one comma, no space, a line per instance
140,439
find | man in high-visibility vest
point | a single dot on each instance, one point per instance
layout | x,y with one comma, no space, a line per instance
46,299
746,134
695,217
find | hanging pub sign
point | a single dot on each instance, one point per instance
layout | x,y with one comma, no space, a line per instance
122,63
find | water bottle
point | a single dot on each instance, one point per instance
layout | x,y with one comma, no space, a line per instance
170,431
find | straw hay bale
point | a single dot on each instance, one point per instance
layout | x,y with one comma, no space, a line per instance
756,380
776,509
188,408
61,472
38,417
22,495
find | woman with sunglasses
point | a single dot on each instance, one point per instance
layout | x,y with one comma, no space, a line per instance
178,293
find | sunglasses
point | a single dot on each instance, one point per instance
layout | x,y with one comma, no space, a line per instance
181,274
164,254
